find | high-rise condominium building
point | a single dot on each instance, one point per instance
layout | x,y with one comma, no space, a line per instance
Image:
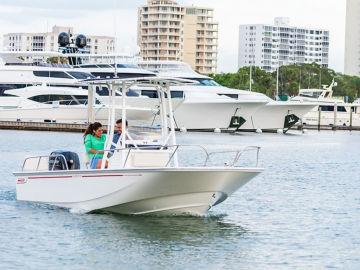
271,46
49,41
169,31
352,38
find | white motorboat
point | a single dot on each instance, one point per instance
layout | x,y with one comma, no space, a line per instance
142,176
333,112
51,104
269,116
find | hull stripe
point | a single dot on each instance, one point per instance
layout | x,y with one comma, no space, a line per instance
49,177
112,175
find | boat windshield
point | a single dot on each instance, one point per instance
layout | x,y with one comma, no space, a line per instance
80,75
311,94
204,81
126,66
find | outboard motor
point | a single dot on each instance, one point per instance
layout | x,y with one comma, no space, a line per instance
61,160
80,41
63,39
67,45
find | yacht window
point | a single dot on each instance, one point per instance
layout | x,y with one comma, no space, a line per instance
235,96
62,99
341,109
132,93
150,93
205,82
310,94
125,66
80,75
102,91
108,75
177,94
328,108
104,66
3,94
4,87
120,75
88,66
52,74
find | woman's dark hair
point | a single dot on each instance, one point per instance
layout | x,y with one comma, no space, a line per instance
92,128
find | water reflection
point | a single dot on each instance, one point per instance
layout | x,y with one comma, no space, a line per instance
178,228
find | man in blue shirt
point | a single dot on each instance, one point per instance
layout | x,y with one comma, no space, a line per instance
117,134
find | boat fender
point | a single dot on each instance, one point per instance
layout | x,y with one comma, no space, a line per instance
217,130
259,131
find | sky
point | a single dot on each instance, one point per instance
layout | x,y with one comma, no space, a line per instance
119,18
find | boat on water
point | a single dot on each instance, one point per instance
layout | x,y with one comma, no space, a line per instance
332,111
201,109
49,104
270,116
137,176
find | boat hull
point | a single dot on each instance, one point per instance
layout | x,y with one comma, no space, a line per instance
64,114
140,191
271,117
212,115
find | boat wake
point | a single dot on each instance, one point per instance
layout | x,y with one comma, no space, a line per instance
78,211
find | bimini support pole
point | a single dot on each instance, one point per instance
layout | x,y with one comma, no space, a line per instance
110,124
172,125
123,117
90,105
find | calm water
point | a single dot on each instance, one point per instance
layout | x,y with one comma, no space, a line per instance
303,212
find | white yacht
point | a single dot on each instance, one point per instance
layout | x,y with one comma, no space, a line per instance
271,115
137,177
198,110
333,112
42,103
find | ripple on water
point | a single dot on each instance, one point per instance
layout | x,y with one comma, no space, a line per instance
301,213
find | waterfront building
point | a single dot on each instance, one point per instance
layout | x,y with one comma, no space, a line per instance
48,41
352,38
169,31
270,46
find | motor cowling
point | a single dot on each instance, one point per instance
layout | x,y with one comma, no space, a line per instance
63,39
80,41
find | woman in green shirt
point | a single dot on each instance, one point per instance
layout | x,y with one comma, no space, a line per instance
94,141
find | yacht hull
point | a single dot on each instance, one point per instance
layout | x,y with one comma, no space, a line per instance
328,118
211,115
162,191
271,117
64,114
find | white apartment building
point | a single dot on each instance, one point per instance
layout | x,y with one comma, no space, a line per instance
49,41
169,31
271,46
352,38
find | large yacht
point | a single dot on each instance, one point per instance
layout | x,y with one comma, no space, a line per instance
198,110
332,111
271,116
43,103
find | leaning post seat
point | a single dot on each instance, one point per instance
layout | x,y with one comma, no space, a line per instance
57,162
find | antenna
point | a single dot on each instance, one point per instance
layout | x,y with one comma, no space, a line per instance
115,39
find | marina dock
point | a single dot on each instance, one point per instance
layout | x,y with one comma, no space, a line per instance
64,127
